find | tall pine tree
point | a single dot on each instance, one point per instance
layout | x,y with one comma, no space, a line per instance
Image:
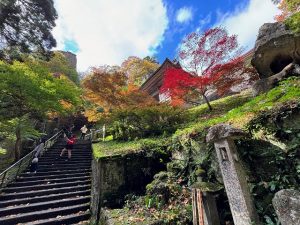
25,26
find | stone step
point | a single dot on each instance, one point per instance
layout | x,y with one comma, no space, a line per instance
77,144
61,168
46,177
73,151
55,158
62,161
44,186
59,193
65,161
43,205
53,154
61,190
43,198
63,165
43,214
79,150
75,148
49,181
70,219
74,156
59,172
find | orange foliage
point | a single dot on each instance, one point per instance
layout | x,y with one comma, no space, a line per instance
284,11
287,7
136,69
107,88
65,104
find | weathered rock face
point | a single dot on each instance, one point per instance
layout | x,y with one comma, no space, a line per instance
223,131
266,84
275,48
113,177
287,206
72,58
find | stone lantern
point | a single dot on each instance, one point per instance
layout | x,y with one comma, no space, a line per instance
234,176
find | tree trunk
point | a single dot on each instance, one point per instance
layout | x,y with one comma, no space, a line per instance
207,102
18,144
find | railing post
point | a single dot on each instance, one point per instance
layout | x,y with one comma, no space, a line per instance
92,134
104,129
18,170
3,178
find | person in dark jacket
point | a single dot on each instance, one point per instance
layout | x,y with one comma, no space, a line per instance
34,165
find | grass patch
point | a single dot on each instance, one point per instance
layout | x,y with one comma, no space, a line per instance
220,106
110,148
227,109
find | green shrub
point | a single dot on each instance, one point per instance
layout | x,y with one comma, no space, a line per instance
135,123
293,22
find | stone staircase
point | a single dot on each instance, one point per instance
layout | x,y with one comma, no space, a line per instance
59,193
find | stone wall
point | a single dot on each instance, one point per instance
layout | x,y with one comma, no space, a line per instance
116,176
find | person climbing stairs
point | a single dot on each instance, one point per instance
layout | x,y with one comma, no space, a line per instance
58,193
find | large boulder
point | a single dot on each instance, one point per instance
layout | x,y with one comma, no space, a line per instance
265,84
287,206
276,47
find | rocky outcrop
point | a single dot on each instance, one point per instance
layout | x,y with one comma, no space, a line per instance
71,57
287,206
266,84
276,47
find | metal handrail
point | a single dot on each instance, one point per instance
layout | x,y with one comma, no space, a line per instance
12,172
91,134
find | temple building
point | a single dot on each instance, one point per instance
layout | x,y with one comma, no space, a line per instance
155,80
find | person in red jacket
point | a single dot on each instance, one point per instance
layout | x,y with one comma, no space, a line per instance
69,146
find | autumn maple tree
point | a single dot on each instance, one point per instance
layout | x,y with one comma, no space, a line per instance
136,68
287,7
209,60
107,89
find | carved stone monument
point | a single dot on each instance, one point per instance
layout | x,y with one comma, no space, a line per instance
234,176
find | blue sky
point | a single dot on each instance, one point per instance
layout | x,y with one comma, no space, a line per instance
108,31
199,15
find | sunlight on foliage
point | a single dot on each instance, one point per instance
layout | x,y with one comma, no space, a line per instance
2,151
239,116
109,148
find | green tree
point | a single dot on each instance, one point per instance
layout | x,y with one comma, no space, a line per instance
58,65
22,128
25,26
30,91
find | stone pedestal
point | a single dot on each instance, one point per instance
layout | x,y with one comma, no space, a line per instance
234,176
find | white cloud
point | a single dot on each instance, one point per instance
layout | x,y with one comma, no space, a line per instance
107,32
204,22
247,21
184,15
